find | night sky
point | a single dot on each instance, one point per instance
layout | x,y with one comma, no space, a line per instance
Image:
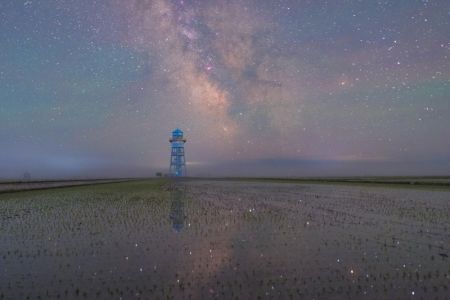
289,88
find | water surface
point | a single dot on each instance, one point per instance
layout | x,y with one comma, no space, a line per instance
223,239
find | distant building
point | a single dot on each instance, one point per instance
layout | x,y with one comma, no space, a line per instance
177,158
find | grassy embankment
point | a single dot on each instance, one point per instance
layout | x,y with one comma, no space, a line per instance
431,182
122,187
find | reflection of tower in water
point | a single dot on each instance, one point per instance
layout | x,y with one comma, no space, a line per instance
177,209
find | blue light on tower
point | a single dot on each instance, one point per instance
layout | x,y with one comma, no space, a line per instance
177,160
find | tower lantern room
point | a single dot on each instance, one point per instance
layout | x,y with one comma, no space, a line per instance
177,158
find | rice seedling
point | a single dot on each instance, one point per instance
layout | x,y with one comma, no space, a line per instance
224,239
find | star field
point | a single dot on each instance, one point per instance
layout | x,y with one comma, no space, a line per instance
93,88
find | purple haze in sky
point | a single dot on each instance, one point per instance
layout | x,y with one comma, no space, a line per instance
268,88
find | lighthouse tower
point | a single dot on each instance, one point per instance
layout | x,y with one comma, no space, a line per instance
177,160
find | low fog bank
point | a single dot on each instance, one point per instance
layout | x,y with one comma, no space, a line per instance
254,168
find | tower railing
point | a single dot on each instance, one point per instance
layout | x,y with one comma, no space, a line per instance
177,158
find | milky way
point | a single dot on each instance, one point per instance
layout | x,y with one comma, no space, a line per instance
93,88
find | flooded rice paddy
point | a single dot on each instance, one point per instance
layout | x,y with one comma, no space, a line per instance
223,239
